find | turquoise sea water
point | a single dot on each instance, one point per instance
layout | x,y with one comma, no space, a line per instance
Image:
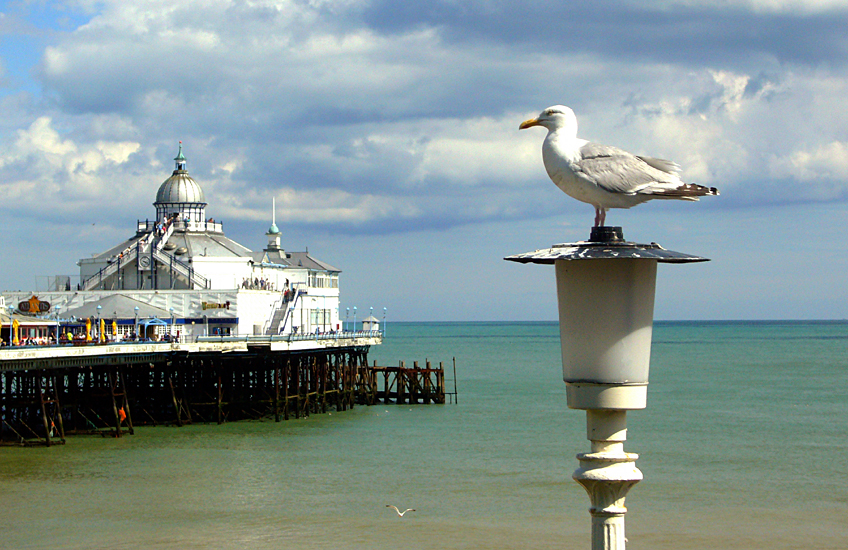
743,445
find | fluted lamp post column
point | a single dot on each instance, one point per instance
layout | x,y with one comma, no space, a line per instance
605,294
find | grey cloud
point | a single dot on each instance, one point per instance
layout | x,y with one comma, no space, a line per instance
717,36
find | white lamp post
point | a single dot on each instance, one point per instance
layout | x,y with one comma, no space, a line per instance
354,320
99,335
57,324
605,293
384,321
135,329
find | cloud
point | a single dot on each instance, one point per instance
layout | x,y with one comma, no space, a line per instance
742,35
827,163
43,170
393,112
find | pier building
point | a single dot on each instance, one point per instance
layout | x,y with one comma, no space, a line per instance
179,275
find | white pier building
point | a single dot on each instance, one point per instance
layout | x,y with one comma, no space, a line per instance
178,274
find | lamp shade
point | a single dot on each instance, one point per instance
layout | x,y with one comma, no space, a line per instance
606,312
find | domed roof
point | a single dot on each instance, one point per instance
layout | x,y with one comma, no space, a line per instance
180,188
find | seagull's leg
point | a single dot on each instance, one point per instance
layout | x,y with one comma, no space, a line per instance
603,216
597,216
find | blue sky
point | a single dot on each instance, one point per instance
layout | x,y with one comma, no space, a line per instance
388,134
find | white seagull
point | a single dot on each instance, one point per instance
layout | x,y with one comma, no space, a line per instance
602,175
399,513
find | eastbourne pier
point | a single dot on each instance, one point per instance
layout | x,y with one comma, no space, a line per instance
177,324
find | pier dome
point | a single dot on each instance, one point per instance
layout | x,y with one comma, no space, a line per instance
180,194
180,187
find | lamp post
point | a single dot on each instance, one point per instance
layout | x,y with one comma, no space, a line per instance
99,328
605,294
172,322
354,320
347,314
11,326
57,324
384,321
135,327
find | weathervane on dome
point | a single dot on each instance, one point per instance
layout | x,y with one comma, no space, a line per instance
180,159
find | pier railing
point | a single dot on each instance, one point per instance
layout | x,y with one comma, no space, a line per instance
168,340
258,339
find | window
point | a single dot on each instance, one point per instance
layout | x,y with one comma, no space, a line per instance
319,317
323,280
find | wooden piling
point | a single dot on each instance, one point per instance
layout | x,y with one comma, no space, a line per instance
42,406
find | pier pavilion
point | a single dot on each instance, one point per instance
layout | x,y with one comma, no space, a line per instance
182,278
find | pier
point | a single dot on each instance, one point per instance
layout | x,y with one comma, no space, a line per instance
414,386
50,393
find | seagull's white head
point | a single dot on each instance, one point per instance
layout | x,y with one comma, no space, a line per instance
558,117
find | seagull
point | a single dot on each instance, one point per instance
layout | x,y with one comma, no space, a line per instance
605,176
399,513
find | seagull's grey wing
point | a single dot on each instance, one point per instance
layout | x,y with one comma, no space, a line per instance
618,171
661,164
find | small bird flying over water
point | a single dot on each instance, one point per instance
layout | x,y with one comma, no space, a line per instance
605,176
399,513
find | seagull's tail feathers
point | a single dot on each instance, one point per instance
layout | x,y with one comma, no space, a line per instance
686,192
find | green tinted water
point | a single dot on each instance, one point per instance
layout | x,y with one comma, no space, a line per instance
742,446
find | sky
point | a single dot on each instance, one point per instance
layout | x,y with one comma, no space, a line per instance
388,134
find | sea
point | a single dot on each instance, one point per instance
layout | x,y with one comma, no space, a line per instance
743,445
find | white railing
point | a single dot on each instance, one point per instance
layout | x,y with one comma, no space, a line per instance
165,236
145,226
181,268
335,335
127,255
298,292
268,327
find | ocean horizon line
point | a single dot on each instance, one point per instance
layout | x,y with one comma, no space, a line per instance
656,321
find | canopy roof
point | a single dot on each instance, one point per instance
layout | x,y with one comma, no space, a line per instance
116,305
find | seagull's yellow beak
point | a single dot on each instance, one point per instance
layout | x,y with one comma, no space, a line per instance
528,123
